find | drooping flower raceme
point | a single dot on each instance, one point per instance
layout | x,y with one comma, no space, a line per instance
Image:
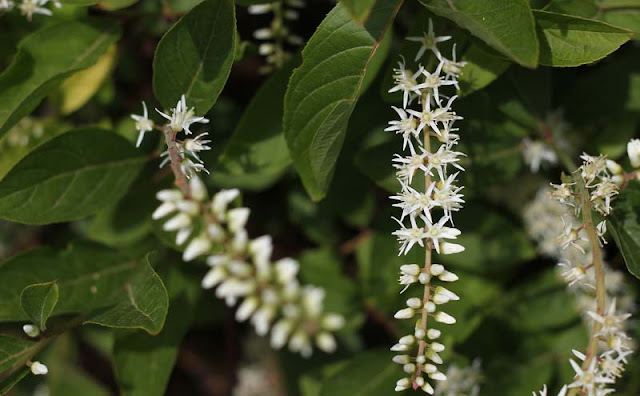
598,181
426,222
267,291
277,36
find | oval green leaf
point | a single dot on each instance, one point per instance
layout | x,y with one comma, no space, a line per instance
69,177
567,40
323,91
195,56
38,302
506,25
44,59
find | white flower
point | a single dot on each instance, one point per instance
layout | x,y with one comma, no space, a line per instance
30,7
143,123
633,151
6,5
443,317
181,117
589,378
537,153
438,231
452,68
433,81
407,82
573,274
409,236
612,323
441,158
407,166
196,145
38,368
406,126
31,330
428,41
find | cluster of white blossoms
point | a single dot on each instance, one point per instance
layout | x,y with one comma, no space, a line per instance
242,270
22,134
426,218
28,7
180,119
567,242
537,154
277,36
461,381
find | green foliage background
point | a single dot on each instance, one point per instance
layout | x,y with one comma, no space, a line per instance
125,316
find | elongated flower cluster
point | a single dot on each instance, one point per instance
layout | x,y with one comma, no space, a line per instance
242,270
28,8
277,36
426,218
596,371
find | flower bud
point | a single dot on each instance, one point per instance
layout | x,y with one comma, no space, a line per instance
332,322
38,368
432,334
633,151
198,189
164,209
179,221
170,195
448,277
280,333
437,347
406,313
213,277
419,333
427,388
31,330
613,167
414,303
436,269
409,368
410,269
445,318
450,248
401,359
438,376
196,248
403,384
424,278
248,307
407,340
326,342
237,218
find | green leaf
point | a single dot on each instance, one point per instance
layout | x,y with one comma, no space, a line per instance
7,383
370,373
359,9
256,155
104,286
144,307
505,25
194,57
482,68
45,58
625,226
13,350
38,302
323,92
69,177
567,40
624,17
143,363
540,303
112,5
